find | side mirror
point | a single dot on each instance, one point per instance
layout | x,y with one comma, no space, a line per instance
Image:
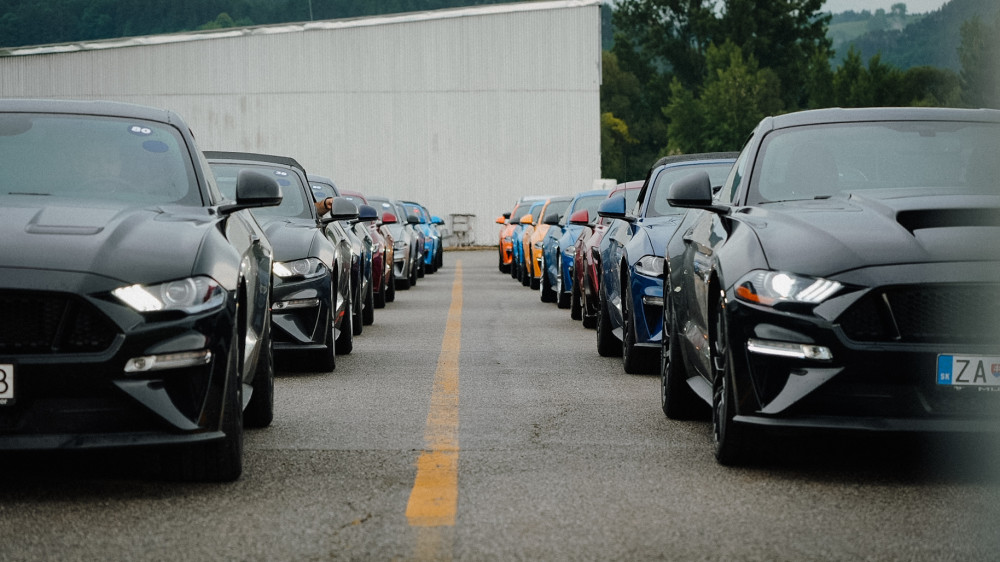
694,191
436,220
367,213
343,210
412,219
388,218
528,219
254,190
614,208
580,218
551,219
502,219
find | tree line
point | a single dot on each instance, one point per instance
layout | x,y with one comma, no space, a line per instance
689,76
679,76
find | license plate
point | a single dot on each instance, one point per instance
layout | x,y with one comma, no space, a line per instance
968,370
6,384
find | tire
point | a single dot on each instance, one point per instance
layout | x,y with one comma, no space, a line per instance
607,344
562,297
260,410
390,287
220,460
368,311
325,360
401,284
635,360
526,275
357,325
730,438
575,307
677,400
535,282
548,295
413,272
345,341
379,297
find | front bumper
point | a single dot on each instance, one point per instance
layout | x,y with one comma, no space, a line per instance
863,385
86,399
300,312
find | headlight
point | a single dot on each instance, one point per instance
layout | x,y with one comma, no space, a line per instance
650,266
306,268
772,287
190,295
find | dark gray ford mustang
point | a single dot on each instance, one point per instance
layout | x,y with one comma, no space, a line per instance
845,277
134,298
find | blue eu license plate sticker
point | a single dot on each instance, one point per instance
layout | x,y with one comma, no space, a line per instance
968,370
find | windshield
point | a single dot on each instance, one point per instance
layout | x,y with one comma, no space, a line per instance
821,161
658,206
95,158
293,200
557,207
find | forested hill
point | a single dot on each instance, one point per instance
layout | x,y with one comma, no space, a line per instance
931,41
40,22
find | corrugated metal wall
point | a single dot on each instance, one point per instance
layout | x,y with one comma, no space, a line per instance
464,110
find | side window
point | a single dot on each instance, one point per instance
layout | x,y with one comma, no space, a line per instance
728,191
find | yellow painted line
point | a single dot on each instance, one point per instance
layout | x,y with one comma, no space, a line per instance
434,498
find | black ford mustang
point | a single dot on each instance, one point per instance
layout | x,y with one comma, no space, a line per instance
845,276
312,310
134,298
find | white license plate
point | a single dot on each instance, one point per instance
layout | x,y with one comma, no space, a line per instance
6,384
968,370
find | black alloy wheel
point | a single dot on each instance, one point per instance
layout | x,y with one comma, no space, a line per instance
607,344
368,310
345,341
260,409
677,400
635,360
562,297
548,295
729,437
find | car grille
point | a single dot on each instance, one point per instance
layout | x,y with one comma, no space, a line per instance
49,323
925,314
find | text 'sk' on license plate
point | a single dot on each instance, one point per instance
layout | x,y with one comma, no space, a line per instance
968,370
6,384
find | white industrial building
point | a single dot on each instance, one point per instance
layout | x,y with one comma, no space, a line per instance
464,110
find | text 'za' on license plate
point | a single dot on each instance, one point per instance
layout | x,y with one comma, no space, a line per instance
6,384
968,370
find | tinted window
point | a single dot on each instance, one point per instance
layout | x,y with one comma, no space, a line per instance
293,192
823,160
95,158
658,206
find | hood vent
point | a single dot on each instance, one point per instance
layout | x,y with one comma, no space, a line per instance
948,218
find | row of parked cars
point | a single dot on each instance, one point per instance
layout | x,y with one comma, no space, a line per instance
839,273
146,286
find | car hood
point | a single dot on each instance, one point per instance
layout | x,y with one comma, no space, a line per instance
119,241
291,239
829,236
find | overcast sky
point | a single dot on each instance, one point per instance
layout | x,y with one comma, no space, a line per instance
912,6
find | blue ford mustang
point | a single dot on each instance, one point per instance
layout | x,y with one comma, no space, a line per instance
557,248
631,287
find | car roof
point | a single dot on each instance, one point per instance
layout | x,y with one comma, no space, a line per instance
255,157
853,115
81,107
701,156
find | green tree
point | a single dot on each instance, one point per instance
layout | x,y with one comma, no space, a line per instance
979,54
615,143
736,96
783,35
